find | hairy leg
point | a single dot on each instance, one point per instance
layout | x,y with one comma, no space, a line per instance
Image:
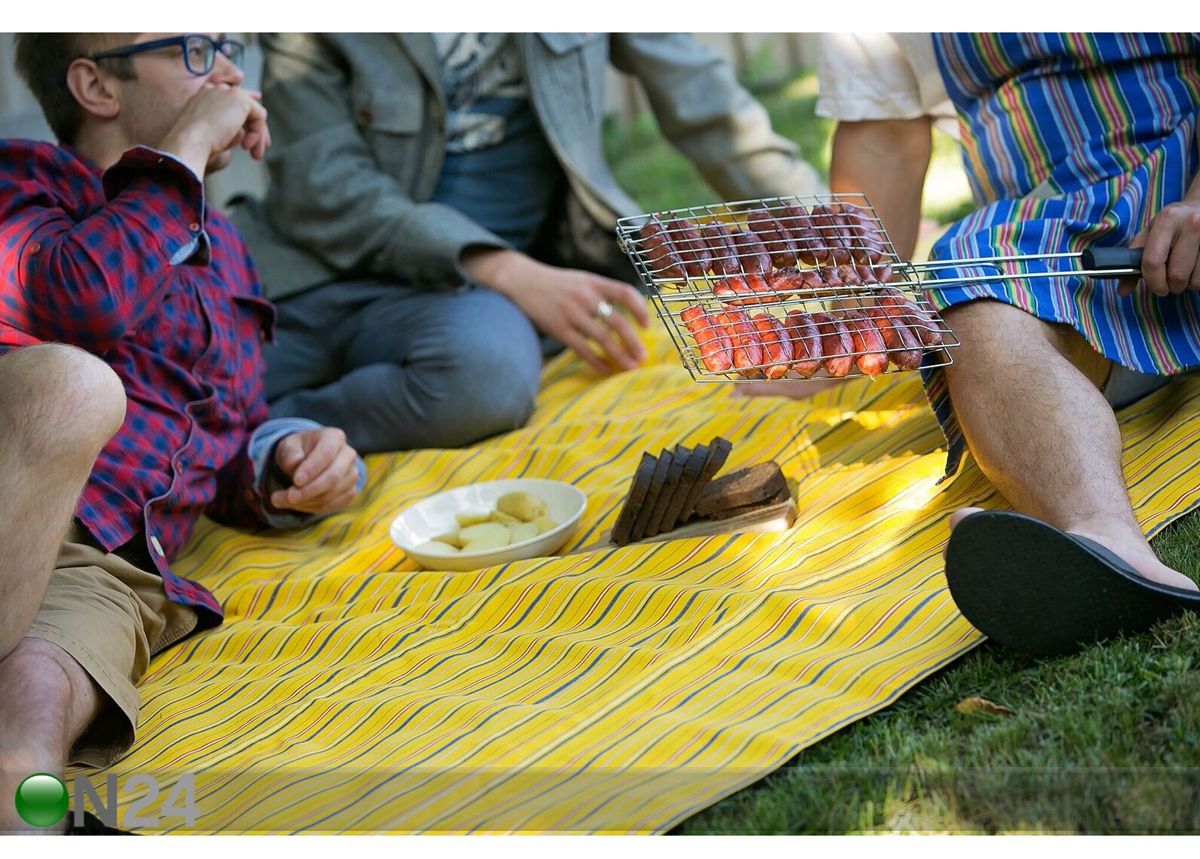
58,407
1027,396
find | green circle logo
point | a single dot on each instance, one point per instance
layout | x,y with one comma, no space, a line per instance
42,800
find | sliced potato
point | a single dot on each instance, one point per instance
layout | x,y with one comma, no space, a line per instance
450,537
544,523
524,531
524,505
467,518
437,547
492,540
492,535
503,518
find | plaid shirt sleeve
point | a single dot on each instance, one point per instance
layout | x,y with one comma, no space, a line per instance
89,280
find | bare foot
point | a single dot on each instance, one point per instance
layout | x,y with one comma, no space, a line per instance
1137,553
1133,549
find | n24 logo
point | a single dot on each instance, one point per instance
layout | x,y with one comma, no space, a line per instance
179,802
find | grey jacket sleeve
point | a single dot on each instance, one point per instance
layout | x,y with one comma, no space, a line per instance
711,118
328,193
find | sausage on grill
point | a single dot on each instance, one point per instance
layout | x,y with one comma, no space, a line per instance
806,343
776,344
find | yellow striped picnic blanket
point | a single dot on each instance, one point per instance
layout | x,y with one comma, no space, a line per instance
611,691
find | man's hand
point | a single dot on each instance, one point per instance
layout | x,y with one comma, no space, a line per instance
321,467
1171,250
563,303
216,119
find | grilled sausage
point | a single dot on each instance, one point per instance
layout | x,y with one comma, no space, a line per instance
759,285
776,344
774,237
720,245
735,290
806,343
831,277
660,252
798,225
752,253
877,273
873,359
913,315
866,236
849,274
690,246
747,345
785,281
903,346
834,234
836,345
716,351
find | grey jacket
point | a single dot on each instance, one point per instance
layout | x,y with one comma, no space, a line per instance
358,128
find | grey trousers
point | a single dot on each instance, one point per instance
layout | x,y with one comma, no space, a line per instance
399,368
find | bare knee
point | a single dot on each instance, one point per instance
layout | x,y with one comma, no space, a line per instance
41,671
59,400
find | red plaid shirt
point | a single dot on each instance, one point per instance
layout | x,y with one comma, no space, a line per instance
130,266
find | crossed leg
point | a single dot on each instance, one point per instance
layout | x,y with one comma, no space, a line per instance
58,407
1027,395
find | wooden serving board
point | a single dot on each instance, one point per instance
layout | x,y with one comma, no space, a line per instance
776,516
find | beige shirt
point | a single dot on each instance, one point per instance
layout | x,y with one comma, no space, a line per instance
874,76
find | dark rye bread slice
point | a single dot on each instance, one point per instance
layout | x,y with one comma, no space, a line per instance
657,481
718,452
658,515
784,494
687,479
633,501
741,488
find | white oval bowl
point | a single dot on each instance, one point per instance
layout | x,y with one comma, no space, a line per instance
436,515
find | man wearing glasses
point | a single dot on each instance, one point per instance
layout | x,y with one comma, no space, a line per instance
108,246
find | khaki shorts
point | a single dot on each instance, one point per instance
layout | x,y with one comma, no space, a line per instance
111,617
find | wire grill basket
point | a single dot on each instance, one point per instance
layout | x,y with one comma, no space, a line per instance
785,287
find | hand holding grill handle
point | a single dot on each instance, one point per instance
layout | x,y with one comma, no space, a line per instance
1111,259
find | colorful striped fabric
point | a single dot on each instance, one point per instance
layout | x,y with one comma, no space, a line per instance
618,690
1070,141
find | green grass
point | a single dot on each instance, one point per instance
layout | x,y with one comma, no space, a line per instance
1104,741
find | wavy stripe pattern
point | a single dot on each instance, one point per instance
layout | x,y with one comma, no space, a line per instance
610,691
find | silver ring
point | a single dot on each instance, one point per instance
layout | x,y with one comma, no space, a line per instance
604,309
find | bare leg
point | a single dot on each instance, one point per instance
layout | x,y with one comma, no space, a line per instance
48,701
58,406
1027,396
887,160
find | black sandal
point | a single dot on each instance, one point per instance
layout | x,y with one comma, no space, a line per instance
1031,587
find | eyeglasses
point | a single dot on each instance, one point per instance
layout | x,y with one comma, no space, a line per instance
199,51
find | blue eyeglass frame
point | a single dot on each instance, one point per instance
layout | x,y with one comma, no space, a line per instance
231,49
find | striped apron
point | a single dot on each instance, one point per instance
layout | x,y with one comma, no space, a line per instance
1069,141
